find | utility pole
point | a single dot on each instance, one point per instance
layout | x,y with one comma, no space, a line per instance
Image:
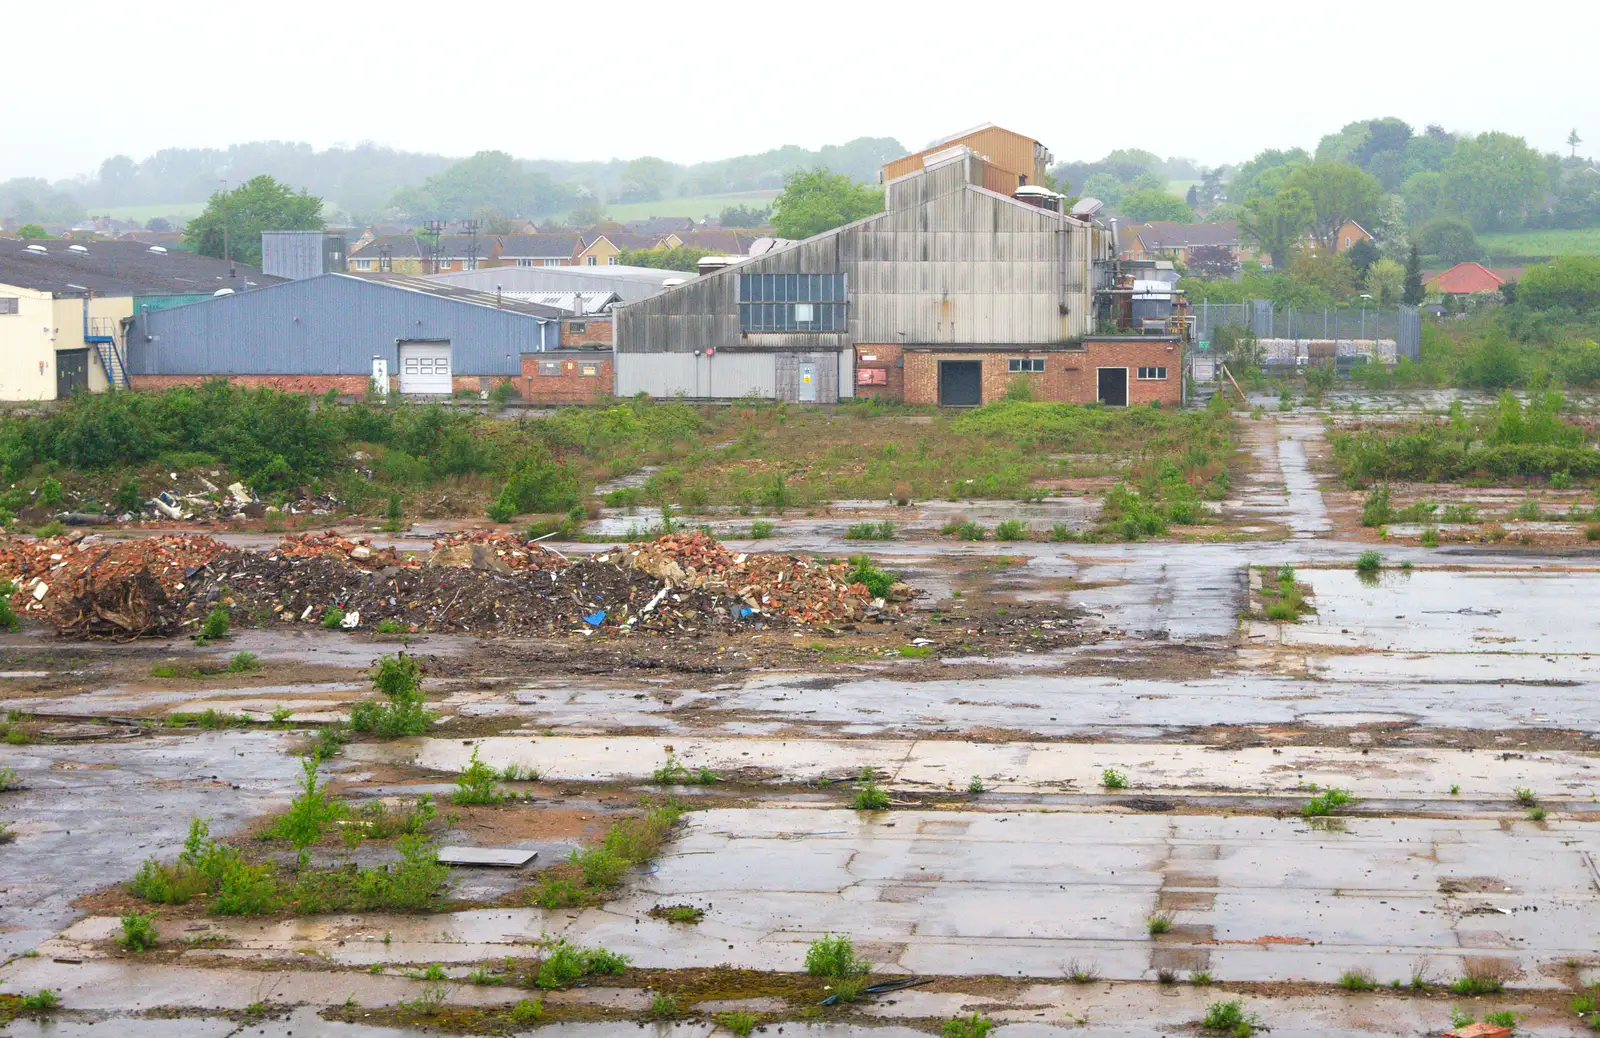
436,229
471,227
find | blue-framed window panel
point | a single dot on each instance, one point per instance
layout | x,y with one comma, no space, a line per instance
793,303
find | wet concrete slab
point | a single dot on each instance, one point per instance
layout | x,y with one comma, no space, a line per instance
90,813
1029,768
1431,610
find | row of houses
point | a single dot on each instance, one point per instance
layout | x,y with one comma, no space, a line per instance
599,246
971,280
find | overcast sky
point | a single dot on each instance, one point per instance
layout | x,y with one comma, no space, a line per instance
704,79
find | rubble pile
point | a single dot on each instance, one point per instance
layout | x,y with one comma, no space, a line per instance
781,585
479,582
89,587
331,545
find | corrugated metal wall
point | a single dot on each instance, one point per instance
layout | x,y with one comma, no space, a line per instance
724,375
948,263
328,325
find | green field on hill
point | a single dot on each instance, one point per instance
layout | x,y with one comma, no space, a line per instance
694,208
1504,245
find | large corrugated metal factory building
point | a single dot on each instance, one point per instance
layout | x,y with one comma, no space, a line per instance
943,298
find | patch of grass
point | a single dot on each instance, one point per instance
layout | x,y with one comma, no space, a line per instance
216,625
1477,984
1430,538
1455,789
281,714
1230,1016
673,773
665,1007
1011,530
686,914
1200,978
389,625
963,530
741,1022
476,783
916,652
520,773
1502,1018
44,1000
1283,596
882,530
309,811
877,581
869,797
399,678
564,963
1159,923
330,739
1166,977
1536,814
975,1026
1327,802
163,670
835,956
527,1011
138,931
243,663
1525,796
332,618
1082,972
1369,562
1357,980
1111,778
761,529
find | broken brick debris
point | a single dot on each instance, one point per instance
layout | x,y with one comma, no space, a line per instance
482,581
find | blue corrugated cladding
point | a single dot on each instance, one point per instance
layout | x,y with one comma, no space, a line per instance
328,325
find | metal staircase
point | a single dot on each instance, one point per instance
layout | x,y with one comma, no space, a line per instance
101,333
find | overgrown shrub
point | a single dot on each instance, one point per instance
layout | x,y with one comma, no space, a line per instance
399,678
835,956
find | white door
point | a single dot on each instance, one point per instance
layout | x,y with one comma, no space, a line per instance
425,368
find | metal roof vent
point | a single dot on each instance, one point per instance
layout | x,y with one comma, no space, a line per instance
1087,206
157,248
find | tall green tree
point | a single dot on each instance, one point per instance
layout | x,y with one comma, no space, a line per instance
259,204
1451,239
1277,223
814,200
1250,178
1155,204
487,179
1493,180
1411,293
646,179
32,232
1338,193
1386,282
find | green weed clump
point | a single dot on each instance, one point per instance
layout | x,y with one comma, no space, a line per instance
877,581
309,811
138,931
1357,980
975,1026
1368,562
761,529
1283,596
741,1022
964,530
673,773
1159,923
243,663
8,613
1011,530
564,963
477,783
216,625
333,618
1230,1016
1327,802
879,531
1111,778
1477,984
868,796
399,678
42,1001
527,1011
835,956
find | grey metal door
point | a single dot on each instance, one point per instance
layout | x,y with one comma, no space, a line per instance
72,372
808,383
960,383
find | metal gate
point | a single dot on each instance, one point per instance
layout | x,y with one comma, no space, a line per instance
960,383
72,372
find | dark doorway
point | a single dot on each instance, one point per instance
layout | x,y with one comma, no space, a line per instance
1113,387
72,372
960,383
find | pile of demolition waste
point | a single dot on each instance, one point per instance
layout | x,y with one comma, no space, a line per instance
485,582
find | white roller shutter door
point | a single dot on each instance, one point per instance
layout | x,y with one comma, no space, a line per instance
425,368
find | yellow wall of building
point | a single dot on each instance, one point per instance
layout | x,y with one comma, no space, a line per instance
25,345
603,252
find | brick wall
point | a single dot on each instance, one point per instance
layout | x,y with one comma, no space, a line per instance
595,332
570,386
885,357
1069,376
347,385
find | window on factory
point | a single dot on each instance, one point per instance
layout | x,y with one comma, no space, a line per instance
365,264
792,303
1153,374
577,327
524,262
9,304
550,369
1020,365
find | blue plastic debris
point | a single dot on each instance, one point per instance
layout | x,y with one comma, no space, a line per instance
743,611
596,618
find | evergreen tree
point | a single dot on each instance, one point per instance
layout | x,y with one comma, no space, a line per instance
1412,294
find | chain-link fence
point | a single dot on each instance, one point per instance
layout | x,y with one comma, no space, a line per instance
1355,326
